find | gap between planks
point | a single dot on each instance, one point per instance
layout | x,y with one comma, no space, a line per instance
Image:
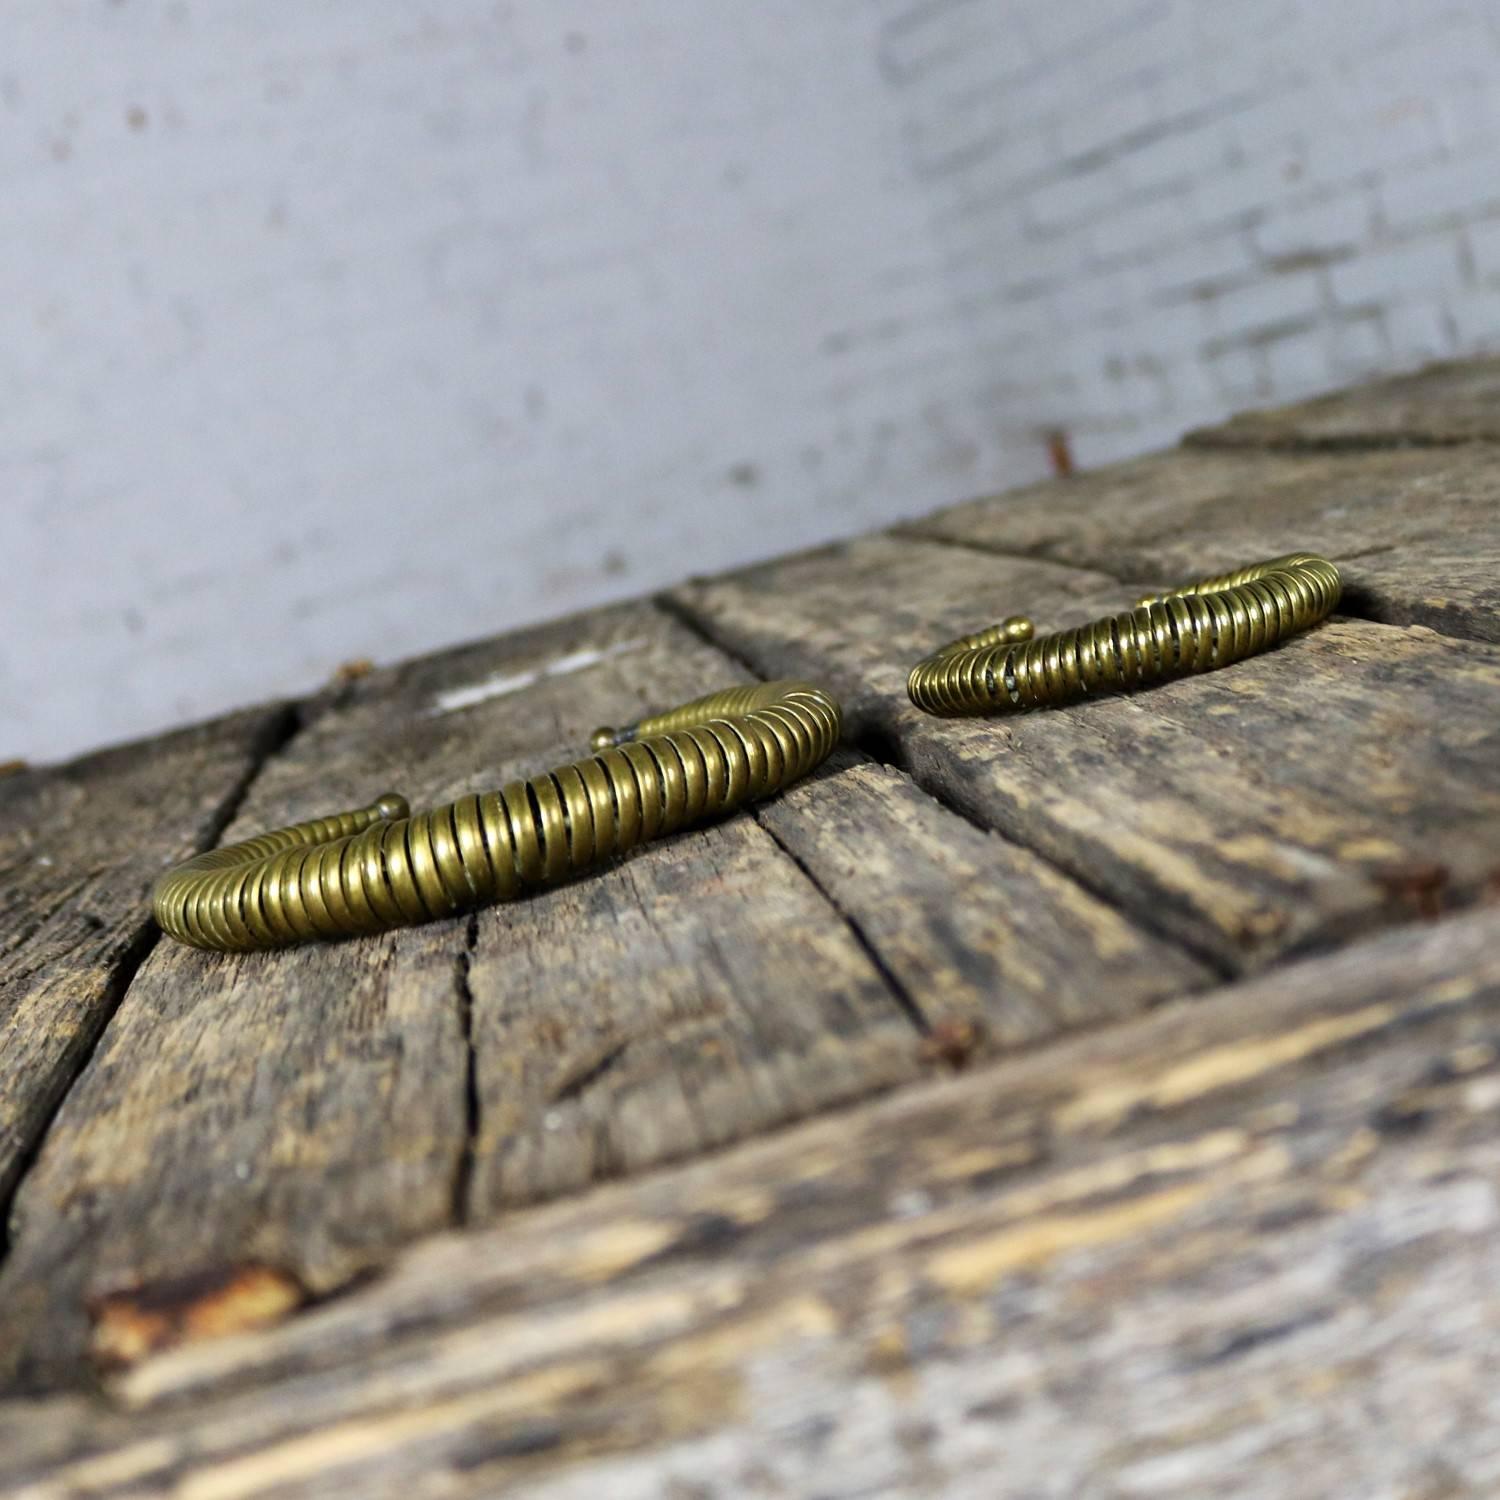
1348,607
463,1172
882,748
681,615
1337,445
899,992
1201,442
281,731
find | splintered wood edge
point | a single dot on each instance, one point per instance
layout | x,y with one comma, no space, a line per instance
842,1259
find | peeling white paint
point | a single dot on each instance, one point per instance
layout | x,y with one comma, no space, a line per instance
503,683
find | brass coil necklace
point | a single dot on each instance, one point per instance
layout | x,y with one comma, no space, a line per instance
379,867
1194,628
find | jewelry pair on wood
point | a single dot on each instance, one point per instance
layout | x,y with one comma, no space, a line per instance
380,867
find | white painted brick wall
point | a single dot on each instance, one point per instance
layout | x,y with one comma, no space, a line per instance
1314,189
351,329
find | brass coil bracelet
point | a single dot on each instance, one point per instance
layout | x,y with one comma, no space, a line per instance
379,867
1194,628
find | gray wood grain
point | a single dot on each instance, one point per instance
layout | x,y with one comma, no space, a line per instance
1280,805
976,931
1243,1246
309,1111
663,1011
696,992
80,845
1415,534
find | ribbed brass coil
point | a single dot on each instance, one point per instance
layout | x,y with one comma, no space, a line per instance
379,867
1194,628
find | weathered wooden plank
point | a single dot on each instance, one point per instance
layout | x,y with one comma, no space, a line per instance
309,1110
1442,405
692,995
1416,534
679,1003
660,1016
80,846
312,1109
1242,1247
976,931
1277,806
360,1095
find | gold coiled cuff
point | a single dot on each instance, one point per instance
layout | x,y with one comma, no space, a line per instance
1193,628
379,867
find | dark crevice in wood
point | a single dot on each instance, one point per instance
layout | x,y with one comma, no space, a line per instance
685,617
680,614
123,971
1355,604
576,1084
280,730
877,742
463,1174
908,1002
916,531
882,745
1381,549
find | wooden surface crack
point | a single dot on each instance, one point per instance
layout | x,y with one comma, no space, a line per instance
125,968
463,1171
886,747
1354,605
899,992
880,744
682,615
582,1074
278,733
